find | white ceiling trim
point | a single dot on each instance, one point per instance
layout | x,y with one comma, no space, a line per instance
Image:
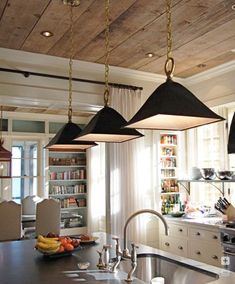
210,74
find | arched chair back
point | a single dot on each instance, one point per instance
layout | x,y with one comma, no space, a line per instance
29,204
48,217
10,221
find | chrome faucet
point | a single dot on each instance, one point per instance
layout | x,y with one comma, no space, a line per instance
133,263
103,262
125,250
118,254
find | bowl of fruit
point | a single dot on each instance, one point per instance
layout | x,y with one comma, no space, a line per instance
56,246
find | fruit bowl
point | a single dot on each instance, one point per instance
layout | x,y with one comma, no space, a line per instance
224,175
208,173
56,246
177,214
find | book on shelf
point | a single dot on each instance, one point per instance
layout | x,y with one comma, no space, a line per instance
67,161
68,175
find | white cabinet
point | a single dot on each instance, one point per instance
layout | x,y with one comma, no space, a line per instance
174,245
177,241
67,183
198,242
204,245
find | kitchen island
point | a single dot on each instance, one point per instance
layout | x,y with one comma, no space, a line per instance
20,263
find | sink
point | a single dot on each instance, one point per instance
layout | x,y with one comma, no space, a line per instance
174,272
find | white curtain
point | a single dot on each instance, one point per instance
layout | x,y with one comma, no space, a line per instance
133,172
96,188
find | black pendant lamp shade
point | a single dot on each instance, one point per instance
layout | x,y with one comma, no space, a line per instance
64,139
231,137
107,126
172,107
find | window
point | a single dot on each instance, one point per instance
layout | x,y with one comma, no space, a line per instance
24,169
210,151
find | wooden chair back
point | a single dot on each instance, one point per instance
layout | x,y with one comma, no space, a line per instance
10,221
48,217
29,204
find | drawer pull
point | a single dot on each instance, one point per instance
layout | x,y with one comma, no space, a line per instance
215,257
180,230
180,247
215,237
167,244
198,234
198,252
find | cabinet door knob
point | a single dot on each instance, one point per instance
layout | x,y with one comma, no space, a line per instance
215,237
180,230
167,244
198,234
215,257
180,247
198,252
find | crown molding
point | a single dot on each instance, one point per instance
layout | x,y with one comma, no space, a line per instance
210,74
57,65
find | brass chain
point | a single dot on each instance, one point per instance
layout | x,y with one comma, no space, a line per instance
1,125
70,111
170,64
169,28
107,51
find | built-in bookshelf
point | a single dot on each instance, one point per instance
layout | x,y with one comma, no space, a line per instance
67,183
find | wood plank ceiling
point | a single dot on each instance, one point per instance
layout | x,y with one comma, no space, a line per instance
203,33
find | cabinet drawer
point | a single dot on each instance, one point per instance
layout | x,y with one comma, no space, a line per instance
178,230
205,235
204,252
166,243
175,246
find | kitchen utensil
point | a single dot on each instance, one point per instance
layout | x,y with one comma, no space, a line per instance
224,175
219,209
226,201
208,173
195,173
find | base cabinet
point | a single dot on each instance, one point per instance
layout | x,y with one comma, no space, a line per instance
205,252
201,243
174,245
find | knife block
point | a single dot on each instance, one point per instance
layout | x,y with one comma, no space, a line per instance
230,212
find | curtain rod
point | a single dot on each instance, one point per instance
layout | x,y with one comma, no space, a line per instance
26,74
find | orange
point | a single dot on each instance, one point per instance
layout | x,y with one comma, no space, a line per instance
68,247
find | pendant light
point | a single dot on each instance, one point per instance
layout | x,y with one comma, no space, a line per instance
64,138
5,156
171,106
107,124
231,137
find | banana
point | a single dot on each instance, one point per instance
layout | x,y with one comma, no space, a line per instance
47,251
47,246
47,240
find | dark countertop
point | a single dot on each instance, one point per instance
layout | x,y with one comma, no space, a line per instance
20,263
